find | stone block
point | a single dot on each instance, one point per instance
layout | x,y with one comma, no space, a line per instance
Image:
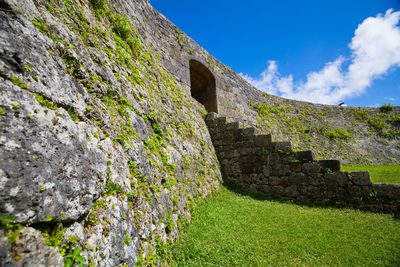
254,178
249,140
310,167
295,166
273,159
211,125
230,153
266,171
360,178
219,149
236,170
218,142
355,193
226,171
211,116
277,191
387,191
263,154
332,191
262,179
291,191
247,179
274,180
245,150
221,129
247,166
250,131
284,181
265,189
232,125
316,179
253,188
367,189
336,179
221,120
311,192
258,167
238,135
262,140
283,147
228,141
297,178
331,164
305,156
280,170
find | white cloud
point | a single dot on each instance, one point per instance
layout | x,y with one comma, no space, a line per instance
375,50
390,99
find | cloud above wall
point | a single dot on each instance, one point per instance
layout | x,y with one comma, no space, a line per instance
375,50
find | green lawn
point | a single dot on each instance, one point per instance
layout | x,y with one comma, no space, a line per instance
379,174
231,229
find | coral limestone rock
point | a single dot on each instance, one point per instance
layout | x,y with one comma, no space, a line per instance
49,169
106,145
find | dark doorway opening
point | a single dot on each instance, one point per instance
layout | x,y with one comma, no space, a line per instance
202,83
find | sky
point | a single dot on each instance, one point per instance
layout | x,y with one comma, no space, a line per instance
318,51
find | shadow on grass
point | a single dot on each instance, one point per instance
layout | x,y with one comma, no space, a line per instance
235,187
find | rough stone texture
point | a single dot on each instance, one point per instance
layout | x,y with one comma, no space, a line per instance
305,125
99,142
275,170
29,249
116,240
330,165
100,134
360,178
387,191
304,156
302,123
48,168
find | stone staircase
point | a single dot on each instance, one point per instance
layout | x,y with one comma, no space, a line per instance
257,164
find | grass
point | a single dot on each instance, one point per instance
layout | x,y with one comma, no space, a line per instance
379,174
231,229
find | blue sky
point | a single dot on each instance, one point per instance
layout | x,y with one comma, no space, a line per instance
301,49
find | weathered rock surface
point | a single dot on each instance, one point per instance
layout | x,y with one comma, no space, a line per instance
48,168
29,249
102,146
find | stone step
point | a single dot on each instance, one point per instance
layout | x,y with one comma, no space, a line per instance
233,125
249,131
211,116
360,178
389,191
263,140
280,172
220,120
332,164
244,134
305,156
285,147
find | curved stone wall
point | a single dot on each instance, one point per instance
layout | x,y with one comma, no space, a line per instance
103,149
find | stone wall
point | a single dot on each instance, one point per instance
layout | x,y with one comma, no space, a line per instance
256,164
300,122
101,148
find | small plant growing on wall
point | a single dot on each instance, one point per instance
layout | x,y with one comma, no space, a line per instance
74,257
386,108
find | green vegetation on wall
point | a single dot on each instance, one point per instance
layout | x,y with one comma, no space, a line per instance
329,131
145,88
